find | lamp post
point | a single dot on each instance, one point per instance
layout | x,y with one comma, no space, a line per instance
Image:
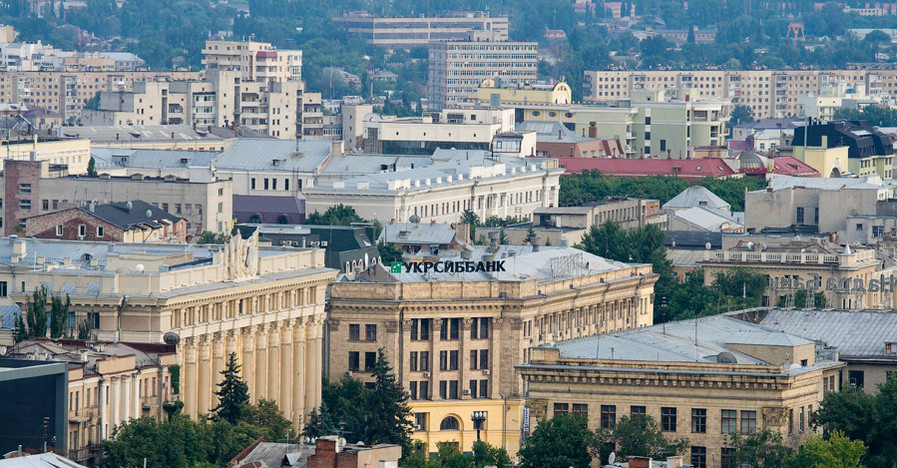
478,417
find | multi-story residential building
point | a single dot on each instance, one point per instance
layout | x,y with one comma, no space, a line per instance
32,188
280,109
814,204
768,93
457,68
108,384
702,380
839,277
264,304
832,98
412,31
66,93
30,56
868,151
255,61
665,123
130,221
440,191
454,336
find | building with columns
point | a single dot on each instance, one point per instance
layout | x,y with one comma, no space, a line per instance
454,325
107,384
265,304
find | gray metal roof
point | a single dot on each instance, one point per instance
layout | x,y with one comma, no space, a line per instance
696,196
416,233
856,333
697,340
8,316
150,159
259,154
139,133
548,132
822,183
40,460
706,219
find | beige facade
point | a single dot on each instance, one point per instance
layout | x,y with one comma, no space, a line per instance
557,95
264,304
66,93
768,93
73,154
743,379
458,68
255,61
108,383
454,338
839,277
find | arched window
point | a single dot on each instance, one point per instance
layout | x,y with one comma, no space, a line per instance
450,423
255,219
282,219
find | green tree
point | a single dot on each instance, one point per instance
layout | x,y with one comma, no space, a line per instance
837,451
84,332
233,393
389,253
267,415
489,455
471,219
59,314
209,237
740,115
762,449
92,104
388,403
34,322
92,167
338,215
562,441
640,436
321,422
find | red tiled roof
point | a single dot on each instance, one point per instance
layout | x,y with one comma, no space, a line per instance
787,165
685,168
266,54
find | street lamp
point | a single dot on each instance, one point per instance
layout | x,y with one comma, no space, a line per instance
478,417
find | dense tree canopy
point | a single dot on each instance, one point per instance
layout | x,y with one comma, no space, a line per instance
562,441
640,436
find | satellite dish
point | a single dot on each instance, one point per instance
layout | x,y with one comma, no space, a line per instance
171,338
139,268
726,357
707,246
612,458
415,219
149,213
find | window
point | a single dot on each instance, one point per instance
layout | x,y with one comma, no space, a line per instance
443,360
420,421
443,389
412,390
252,184
453,389
450,423
484,388
699,457
663,145
449,329
370,359
748,422
24,188
637,411
561,408
608,416
354,332
370,332
82,230
101,231
420,329
729,421
859,227
25,205
423,390
800,215
581,409
453,360
668,419
816,215
412,360
698,420
353,360
58,230
800,420
791,421
266,184
3,291
424,363
856,378
727,457
479,328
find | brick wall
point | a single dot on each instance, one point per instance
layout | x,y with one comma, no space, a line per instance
44,227
16,174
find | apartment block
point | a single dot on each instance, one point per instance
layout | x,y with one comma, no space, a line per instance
768,93
411,31
457,68
256,61
66,93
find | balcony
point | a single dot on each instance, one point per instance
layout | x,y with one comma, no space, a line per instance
83,414
85,453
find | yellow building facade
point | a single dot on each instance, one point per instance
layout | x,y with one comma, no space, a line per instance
453,338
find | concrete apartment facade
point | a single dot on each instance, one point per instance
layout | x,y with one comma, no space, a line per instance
256,61
701,381
412,31
265,304
454,338
457,68
66,93
768,93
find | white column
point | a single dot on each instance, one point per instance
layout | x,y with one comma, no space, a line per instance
125,401
136,406
101,398
286,369
204,388
261,363
188,377
273,363
310,368
298,374
248,352
115,403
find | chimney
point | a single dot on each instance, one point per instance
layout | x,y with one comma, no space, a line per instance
337,148
83,355
559,134
593,129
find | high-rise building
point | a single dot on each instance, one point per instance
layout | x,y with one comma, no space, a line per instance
412,31
457,68
256,61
